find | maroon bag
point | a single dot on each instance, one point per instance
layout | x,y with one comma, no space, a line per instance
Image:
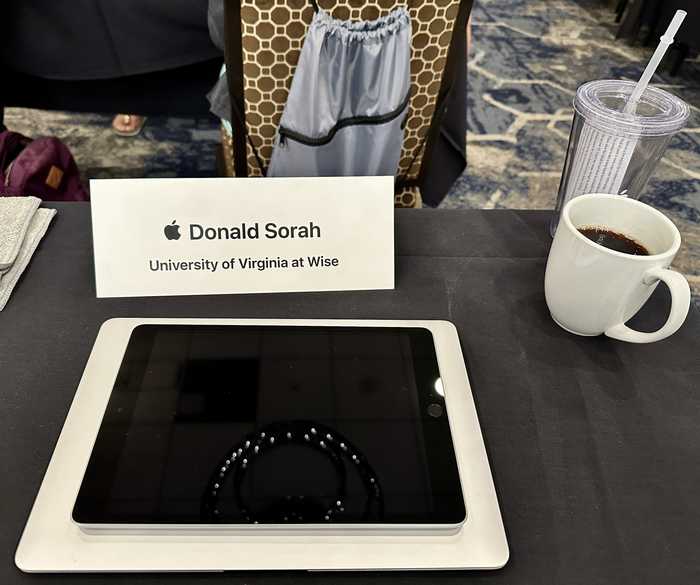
43,168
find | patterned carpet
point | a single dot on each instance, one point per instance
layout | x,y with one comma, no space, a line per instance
528,57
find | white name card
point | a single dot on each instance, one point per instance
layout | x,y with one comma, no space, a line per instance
158,237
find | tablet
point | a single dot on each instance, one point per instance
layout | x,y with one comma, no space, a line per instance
273,426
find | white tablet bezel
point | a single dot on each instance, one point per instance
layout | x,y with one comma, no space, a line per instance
52,542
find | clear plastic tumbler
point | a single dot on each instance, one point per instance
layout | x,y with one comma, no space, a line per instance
615,152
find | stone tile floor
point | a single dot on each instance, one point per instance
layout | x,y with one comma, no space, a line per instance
528,58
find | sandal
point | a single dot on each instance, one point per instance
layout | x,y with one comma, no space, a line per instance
128,124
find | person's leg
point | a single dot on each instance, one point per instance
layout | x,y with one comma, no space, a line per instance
128,124
682,50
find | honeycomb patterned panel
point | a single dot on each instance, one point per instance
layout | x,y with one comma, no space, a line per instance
408,197
273,33
227,152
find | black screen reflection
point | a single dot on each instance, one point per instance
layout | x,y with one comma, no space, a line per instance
282,505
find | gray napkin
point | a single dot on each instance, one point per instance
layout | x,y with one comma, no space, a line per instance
15,215
38,224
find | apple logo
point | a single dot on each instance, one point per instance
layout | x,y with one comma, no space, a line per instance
172,231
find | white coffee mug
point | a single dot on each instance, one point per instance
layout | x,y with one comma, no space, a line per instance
591,290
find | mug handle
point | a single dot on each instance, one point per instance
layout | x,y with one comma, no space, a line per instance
680,305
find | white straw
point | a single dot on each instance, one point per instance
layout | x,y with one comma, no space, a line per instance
665,42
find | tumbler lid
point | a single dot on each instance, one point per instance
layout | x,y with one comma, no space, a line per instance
658,113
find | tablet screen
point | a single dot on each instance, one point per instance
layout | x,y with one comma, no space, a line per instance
272,425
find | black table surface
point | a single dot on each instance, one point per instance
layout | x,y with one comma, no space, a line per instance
594,444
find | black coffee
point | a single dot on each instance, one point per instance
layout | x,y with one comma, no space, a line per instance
614,241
